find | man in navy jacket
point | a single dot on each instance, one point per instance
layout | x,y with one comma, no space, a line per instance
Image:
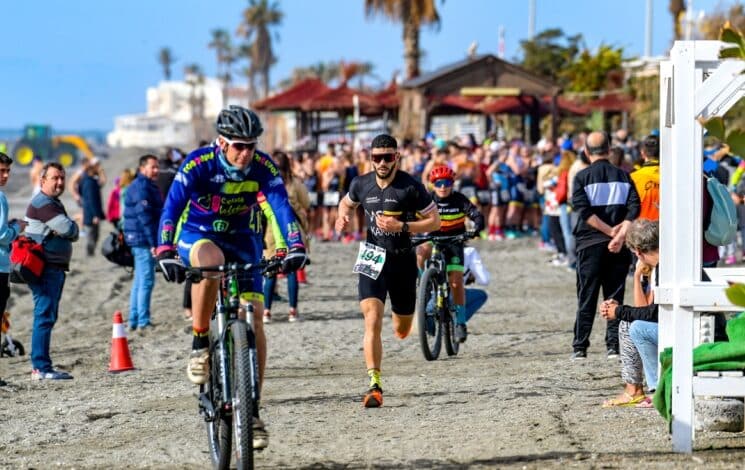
143,204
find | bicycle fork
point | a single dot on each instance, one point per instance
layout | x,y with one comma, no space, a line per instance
223,357
254,359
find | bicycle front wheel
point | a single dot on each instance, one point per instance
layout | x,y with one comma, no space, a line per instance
427,317
219,428
448,324
242,395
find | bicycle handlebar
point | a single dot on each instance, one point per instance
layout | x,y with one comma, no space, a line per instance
441,239
268,267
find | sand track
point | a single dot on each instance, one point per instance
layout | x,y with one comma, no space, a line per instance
510,398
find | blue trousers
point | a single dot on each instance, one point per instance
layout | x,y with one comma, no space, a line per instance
47,295
292,290
142,287
644,336
475,298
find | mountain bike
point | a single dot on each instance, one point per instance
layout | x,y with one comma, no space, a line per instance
230,398
435,316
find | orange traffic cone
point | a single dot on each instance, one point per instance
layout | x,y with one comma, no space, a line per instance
120,358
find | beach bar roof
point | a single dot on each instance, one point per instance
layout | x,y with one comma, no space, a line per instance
292,98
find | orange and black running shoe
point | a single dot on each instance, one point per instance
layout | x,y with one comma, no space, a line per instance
373,398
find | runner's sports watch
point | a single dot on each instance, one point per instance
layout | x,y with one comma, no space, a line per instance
405,227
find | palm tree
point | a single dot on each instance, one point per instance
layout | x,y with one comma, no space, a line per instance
244,52
166,60
413,14
677,9
258,18
195,78
224,51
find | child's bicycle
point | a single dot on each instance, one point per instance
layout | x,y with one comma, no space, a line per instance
435,316
230,397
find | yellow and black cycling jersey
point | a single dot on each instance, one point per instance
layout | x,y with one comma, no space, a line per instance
454,209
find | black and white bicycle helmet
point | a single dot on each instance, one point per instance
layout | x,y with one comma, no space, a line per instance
237,122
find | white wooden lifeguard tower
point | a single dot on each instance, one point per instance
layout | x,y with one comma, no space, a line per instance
693,83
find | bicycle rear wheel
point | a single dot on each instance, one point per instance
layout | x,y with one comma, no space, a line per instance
427,317
242,395
220,428
448,324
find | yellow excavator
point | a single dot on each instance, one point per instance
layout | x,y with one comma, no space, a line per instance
37,141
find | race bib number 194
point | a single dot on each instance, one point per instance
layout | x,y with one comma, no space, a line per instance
370,260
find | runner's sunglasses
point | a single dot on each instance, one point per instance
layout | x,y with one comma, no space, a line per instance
443,183
240,146
379,157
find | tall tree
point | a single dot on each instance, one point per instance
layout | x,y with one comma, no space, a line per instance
195,78
166,60
324,71
711,25
249,71
255,26
549,52
224,53
593,72
677,9
412,14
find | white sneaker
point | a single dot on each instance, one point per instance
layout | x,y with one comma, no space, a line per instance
560,260
198,369
267,317
260,436
292,316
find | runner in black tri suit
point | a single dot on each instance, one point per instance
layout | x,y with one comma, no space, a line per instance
454,208
396,205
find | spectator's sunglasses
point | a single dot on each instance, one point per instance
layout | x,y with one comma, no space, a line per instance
241,145
443,183
379,157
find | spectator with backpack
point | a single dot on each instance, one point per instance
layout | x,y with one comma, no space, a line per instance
143,205
49,225
9,230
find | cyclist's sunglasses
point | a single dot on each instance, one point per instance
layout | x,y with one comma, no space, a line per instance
240,146
443,183
379,157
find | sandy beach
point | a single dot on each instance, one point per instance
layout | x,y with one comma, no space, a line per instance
510,399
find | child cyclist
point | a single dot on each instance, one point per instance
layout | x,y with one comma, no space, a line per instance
454,207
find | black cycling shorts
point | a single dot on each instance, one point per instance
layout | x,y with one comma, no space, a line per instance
398,279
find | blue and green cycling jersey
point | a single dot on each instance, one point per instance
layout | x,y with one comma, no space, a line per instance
211,197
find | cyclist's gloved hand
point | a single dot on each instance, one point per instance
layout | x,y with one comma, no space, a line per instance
294,260
472,234
172,268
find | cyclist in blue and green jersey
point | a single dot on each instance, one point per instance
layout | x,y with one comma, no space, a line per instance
211,216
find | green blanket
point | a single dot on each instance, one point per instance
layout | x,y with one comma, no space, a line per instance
724,355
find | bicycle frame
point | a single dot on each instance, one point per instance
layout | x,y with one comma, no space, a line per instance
226,312
437,260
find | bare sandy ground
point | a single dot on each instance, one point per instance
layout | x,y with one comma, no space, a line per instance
510,399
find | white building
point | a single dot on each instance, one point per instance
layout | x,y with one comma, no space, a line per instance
173,113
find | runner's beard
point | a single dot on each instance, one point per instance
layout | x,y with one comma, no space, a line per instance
388,174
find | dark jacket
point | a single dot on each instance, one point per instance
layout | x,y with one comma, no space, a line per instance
90,196
49,224
646,313
606,191
143,205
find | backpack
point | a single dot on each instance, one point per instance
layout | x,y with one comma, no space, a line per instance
722,228
114,249
26,260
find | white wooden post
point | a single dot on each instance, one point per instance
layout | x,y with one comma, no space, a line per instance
693,83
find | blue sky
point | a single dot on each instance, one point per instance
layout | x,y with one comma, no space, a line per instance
76,64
